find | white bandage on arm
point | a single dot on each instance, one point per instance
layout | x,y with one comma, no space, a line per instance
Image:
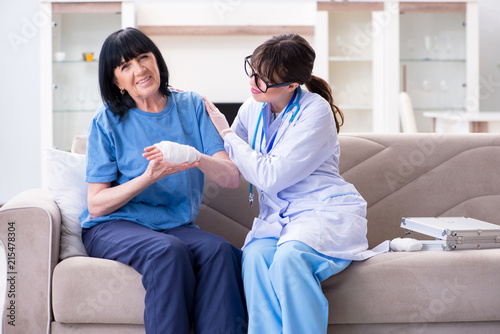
405,245
178,153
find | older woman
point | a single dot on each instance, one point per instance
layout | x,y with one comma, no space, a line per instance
141,209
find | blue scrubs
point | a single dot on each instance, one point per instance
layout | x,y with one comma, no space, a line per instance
190,276
282,286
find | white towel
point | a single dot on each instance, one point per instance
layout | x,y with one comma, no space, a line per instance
405,245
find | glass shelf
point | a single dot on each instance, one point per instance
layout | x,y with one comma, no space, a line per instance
75,94
441,109
431,60
348,59
355,107
75,61
75,110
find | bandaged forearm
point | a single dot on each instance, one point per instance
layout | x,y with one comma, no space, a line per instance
178,153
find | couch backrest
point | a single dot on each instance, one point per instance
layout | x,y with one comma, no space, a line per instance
399,175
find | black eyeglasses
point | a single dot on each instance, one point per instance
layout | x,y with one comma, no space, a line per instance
260,83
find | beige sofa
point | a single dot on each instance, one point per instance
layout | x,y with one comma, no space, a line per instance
398,174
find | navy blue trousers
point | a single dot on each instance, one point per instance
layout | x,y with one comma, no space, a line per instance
191,277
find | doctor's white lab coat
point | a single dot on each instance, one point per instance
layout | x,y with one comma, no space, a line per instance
302,196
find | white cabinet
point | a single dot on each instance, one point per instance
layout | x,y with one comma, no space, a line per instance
371,51
439,63
345,59
70,48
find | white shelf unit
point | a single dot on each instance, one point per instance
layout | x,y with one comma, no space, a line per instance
439,58
370,51
346,50
350,65
69,85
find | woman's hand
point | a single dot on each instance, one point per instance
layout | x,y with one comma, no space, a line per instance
217,118
158,169
103,199
153,153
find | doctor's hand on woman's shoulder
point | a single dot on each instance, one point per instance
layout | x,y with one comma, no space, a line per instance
218,118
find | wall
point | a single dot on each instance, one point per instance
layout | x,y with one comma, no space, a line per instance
197,63
19,96
213,65
20,87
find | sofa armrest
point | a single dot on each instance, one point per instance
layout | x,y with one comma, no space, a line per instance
30,232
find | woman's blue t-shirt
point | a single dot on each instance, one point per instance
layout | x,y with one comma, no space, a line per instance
114,154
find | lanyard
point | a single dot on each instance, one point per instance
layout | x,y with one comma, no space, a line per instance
297,93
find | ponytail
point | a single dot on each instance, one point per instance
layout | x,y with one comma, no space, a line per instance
290,58
322,88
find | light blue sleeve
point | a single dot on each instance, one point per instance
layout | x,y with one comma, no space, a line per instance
101,159
211,140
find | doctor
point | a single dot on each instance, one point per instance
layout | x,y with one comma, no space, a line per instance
311,223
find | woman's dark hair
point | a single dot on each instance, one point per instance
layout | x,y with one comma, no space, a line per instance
290,58
126,44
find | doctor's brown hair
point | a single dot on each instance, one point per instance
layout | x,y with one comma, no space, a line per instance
290,58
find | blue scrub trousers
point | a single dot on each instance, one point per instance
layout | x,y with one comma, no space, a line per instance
282,287
190,276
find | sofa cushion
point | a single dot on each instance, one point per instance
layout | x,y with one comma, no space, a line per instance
418,287
226,212
422,175
79,144
66,181
440,286
91,290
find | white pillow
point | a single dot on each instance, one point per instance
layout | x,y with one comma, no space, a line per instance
66,181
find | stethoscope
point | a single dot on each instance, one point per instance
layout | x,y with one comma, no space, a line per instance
296,94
